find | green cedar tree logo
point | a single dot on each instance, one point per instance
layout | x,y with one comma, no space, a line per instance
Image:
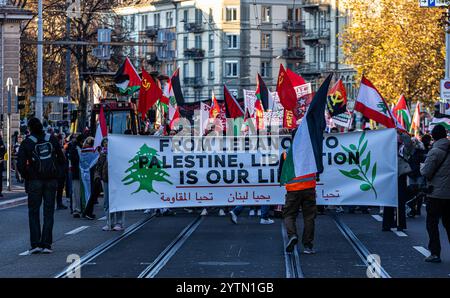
145,169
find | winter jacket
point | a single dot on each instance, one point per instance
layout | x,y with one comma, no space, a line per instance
438,177
74,160
25,154
101,170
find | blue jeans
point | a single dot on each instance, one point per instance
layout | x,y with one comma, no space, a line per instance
264,211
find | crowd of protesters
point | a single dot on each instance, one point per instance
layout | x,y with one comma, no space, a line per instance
423,178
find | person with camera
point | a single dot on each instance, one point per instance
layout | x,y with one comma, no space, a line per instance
436,169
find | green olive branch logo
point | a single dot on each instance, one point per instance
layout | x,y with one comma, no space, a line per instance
361,172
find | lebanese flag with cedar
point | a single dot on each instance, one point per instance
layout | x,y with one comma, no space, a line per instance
233,108
372,105
149,93
285,89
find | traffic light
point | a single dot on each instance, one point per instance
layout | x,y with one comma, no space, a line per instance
65,110
20,97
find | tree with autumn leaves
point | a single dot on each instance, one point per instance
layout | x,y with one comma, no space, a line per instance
399,46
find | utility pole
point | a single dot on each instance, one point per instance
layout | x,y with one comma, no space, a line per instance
68,53
39,80
9,86
447,56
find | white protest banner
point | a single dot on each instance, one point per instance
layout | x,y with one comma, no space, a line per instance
360,169
249,101
156,172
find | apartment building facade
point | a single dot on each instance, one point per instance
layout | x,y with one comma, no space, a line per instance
228,42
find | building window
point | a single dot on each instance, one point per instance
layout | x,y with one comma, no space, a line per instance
265,69
231,68
211,42
232,41
211,70
266,14
185,70
231,14
198,69
211,17
132,23
265,41
198,41
197,95
185,42
157,19
198,16
169,69
169,19
294,14
144,22
294,41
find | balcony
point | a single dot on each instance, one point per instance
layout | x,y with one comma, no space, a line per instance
294,26
315,4
194,53
294,53
314,68
152,31
317,35
196,82
166,55
195,27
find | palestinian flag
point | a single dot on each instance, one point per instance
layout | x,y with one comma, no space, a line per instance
372,105
440,121
102,131
262,93
401,113
127,78
304,158
175,87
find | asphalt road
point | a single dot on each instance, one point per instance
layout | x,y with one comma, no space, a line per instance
188,245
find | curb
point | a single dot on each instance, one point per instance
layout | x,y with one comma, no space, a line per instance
13,203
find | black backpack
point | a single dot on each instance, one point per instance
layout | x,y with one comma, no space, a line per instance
43,158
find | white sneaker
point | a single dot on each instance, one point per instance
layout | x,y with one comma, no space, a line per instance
34,251
118,227
106,228
233,217
251,213
188,210
266,221
204,212
47,251
221,212
339,209
148,211
259,212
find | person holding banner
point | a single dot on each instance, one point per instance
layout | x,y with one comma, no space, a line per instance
114,221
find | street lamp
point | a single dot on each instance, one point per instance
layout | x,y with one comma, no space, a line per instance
9,87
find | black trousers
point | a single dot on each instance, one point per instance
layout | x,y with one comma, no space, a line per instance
38,191
95,193
59,191
437,209
389,220
1,175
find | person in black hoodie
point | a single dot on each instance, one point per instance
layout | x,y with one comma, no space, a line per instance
38,161
75,169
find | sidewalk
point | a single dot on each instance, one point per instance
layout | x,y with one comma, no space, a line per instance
13,198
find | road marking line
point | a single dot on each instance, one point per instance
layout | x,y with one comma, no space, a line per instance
377,218
102,218
422,250
399,233
13,203
77,230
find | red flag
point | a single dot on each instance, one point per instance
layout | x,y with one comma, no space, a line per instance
296,79
215,108
286,92
233,108
174,116
337,99
102,120
289,119
259,114
149,93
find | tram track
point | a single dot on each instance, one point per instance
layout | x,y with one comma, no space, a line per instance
102,248
292,260
361,250
161,260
